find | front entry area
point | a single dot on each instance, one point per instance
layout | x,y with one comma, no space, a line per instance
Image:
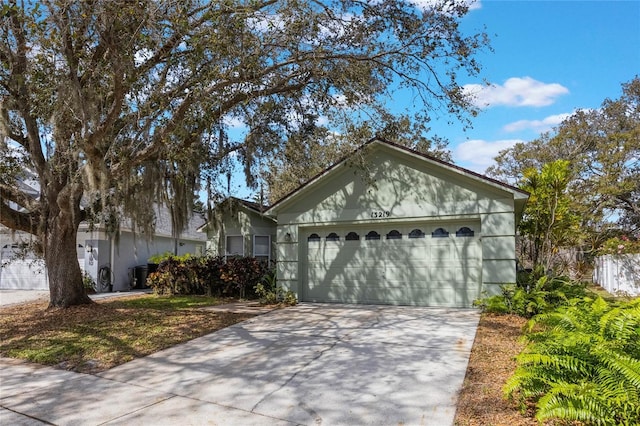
420,264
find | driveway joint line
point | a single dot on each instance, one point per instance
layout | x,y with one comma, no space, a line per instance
27,415
169,396
338,340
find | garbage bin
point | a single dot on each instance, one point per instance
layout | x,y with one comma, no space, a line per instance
141,276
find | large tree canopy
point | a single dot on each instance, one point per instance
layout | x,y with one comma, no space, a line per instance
602,147
108,98
313,148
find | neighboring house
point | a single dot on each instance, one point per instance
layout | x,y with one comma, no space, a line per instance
240,228
106,259
389,225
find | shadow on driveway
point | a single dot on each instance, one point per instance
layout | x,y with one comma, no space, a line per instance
310,364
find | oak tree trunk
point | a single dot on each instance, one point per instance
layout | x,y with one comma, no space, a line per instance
65,277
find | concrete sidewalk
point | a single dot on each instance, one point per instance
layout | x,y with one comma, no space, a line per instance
311,364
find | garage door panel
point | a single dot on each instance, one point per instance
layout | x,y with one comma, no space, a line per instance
455,274
424,271
331,276
361,275
418,253
411,296
441,252
442,296
467,252
345,261
410,274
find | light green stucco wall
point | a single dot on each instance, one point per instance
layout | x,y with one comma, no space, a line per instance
240,222
410,189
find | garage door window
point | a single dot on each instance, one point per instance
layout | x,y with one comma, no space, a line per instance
440,233
416,233
352,236
332,237
464,232
372,235
313,238
394,235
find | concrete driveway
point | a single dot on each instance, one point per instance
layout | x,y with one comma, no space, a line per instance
15,297
311,364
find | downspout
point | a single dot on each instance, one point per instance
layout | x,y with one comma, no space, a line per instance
112,255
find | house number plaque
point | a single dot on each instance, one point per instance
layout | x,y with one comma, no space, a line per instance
379,214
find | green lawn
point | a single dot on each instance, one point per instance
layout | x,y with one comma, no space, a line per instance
97,337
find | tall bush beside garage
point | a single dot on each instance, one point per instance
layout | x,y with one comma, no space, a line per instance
176,276
210,275
241,274
582,363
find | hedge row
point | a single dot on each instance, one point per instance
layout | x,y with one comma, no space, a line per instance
210,275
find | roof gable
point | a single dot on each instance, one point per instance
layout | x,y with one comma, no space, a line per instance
229,206
363,153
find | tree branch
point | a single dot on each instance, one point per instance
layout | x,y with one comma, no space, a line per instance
19,221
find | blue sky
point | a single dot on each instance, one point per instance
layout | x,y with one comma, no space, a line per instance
549,59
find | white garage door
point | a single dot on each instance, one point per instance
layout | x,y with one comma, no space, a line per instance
19,272
416,264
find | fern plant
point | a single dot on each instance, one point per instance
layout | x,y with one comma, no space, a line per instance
582,363
533,295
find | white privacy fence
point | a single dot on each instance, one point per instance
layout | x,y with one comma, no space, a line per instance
618,274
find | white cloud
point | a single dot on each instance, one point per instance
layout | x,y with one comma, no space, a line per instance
233,122
543,125
474,4
428,4
478,154
515,91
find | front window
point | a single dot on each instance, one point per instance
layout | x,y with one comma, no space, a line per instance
235,246
262,247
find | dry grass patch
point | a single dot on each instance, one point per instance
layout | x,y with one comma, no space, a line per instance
492,362
97,337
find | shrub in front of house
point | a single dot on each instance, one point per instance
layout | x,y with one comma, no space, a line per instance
210,275
269,293
533,295
176,276
240,275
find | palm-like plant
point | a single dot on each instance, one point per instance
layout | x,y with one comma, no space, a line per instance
582,363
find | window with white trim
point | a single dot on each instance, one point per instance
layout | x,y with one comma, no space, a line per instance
234,246
262,247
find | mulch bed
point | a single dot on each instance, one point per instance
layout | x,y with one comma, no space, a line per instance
491,363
